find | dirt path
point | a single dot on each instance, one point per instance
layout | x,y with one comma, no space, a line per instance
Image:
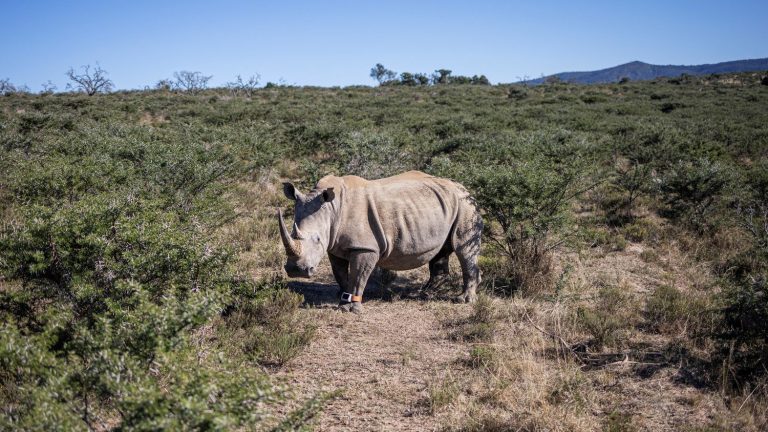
387,361
383,360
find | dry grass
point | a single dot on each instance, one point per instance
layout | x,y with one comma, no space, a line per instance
254,233
521,363
522,380
651,378
609,344
269,329
669,311
527,271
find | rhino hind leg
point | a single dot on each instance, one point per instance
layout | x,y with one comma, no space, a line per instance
438,267
469,229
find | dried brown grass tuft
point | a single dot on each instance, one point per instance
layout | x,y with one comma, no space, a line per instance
270,329
254,233
516,382
520,369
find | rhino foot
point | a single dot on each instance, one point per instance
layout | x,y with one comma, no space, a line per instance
356,307
466,297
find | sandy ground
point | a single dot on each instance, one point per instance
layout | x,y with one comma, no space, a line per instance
383,360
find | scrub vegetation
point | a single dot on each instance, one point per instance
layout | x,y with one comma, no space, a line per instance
625,259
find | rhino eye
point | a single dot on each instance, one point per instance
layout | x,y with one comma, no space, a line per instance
316,238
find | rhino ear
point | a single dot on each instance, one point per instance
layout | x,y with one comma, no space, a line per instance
328,195
290,191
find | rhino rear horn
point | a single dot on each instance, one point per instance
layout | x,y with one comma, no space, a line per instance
292,248
297,234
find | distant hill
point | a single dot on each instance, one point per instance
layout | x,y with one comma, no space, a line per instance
638,71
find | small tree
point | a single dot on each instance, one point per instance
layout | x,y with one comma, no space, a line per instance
372,155
691,189
48,87
631,179
244,87
460,79
423,79
480,80
382,74
524,189
441,76
192,82
90,81
407,78
6,87
164,84
743,332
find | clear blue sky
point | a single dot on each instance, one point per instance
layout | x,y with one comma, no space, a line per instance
337,42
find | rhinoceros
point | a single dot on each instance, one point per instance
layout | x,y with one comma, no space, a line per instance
396,223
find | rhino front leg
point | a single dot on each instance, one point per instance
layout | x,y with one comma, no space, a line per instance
361,265
340,269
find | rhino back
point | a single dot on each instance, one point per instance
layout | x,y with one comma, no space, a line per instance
405,218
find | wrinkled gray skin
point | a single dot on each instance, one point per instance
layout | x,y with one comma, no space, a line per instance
397,223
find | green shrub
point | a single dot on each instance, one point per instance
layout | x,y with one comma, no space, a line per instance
610,319
657,144
210,395
441,395
524,189
640,230
517,93
690,190
750,213
108,239
372,155
754,220
483,357
592,99
268,327
631,180
743,334
481,325
668,310
135,364
610,240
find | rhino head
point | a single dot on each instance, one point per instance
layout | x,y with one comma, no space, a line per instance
308,242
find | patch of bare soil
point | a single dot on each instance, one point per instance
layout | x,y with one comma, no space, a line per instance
383,360
387,361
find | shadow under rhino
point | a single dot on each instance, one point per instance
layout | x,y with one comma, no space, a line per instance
383,285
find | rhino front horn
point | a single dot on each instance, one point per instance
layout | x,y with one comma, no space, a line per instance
292,248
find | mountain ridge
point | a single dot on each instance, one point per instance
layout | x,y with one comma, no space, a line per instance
640,71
